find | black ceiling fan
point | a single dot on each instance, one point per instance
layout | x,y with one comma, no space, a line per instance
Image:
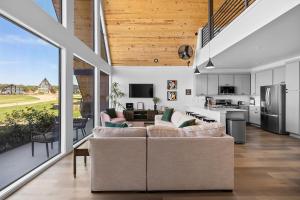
185,52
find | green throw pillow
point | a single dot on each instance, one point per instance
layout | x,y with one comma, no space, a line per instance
111,112
190,122
116,125
167,114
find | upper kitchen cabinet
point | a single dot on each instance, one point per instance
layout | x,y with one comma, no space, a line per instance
253,82
292,76
212,84
201,84
226,80
263,78
242,84
279,75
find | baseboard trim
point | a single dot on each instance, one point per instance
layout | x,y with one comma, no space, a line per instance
295,135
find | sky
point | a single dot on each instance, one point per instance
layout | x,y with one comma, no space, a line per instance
25,58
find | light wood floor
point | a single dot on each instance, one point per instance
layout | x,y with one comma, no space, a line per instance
266,168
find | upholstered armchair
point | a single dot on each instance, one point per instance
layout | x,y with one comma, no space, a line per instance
104,117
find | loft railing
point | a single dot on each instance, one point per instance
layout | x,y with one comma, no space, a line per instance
229,10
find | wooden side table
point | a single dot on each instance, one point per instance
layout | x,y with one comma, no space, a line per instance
81,150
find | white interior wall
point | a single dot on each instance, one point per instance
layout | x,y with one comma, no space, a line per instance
251,20
157,76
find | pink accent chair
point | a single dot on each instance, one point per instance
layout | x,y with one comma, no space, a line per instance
106,118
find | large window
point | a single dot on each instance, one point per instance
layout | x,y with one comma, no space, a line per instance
84,21
52,7
29,102
104,91
83,99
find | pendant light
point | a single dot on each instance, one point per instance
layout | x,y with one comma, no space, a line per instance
196,71
209,64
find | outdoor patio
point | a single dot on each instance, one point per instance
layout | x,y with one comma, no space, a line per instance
19,161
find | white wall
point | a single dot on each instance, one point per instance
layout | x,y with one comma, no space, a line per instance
157,76
244,25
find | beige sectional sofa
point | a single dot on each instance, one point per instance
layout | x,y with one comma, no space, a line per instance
162,157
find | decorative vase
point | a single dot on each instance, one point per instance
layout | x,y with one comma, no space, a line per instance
155,107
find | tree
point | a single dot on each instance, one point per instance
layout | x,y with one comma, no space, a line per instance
116,95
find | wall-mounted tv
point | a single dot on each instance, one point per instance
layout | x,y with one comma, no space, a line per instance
141,90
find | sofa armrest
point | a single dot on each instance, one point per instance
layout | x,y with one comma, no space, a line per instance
118,164
104,118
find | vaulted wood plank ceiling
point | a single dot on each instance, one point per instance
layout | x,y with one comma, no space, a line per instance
141,30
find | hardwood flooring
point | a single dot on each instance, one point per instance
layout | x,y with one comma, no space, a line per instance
266,168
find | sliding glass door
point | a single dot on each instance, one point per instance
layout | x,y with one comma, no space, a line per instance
29,101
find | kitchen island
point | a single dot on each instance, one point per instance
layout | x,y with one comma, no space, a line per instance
219,114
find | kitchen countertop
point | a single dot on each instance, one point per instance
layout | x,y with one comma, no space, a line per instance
224,110
219,114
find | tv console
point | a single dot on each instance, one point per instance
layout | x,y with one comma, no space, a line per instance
140,115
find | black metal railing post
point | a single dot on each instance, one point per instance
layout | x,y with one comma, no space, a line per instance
246,3
217,21
210,19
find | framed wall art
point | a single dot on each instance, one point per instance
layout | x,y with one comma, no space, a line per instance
172,95
172,84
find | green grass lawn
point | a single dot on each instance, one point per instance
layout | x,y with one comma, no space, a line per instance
4,99
48,105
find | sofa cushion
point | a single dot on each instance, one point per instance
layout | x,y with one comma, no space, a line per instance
119,132
190,122
176,117
111,112
205,130
164,131
167,114
116,125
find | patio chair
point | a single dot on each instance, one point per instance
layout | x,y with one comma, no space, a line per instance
80,124
51,135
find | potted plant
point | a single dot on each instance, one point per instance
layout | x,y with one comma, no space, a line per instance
115,95
155,101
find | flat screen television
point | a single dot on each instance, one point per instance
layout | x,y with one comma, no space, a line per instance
141,90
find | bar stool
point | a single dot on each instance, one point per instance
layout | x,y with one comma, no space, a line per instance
188,112
201,117
209,120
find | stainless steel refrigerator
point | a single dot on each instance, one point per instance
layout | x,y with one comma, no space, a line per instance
272,102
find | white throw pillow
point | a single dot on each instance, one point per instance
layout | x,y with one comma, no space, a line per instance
176,116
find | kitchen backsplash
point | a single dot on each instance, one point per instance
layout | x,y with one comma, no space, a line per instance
235,98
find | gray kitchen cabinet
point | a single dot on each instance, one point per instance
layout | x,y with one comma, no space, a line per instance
263,78
226,79
253,82
242,84
292,81
201,84
279,75
292,112
254,115
212,84
292,76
